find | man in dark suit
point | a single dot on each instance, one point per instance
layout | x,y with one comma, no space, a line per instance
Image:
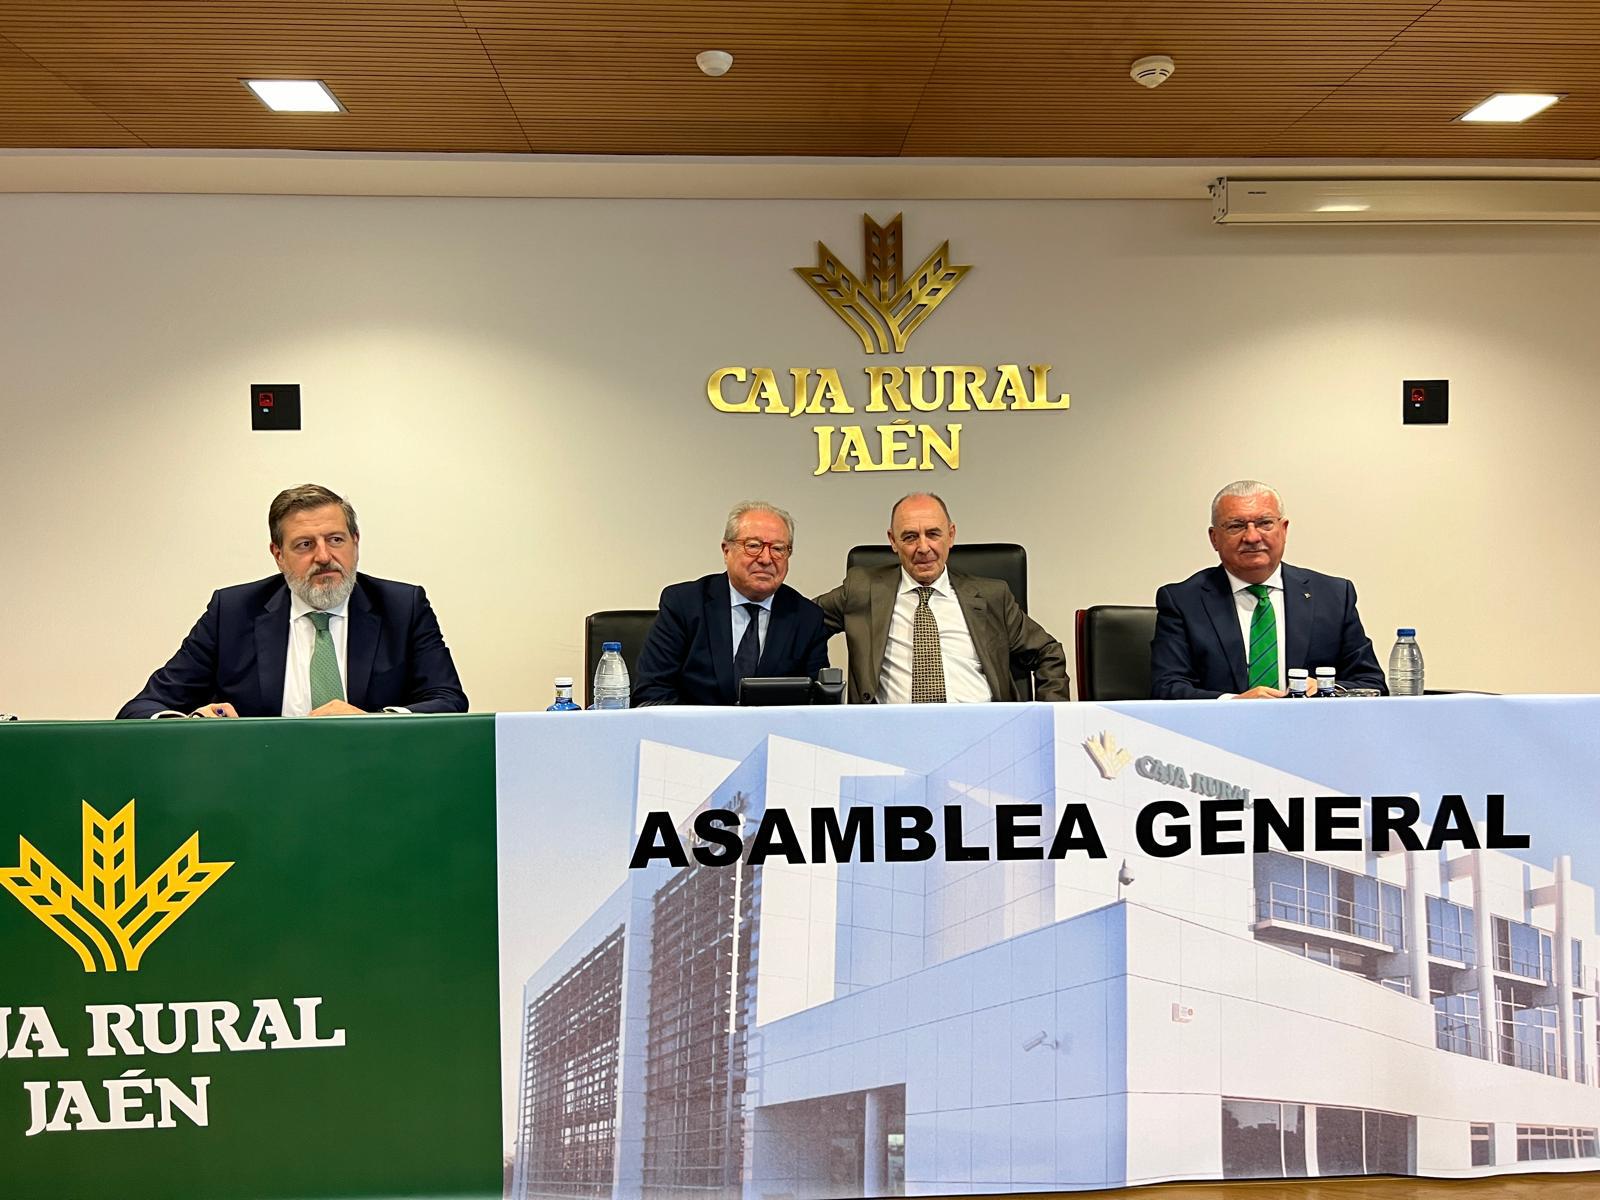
1235,629
315,640
918,633
715,631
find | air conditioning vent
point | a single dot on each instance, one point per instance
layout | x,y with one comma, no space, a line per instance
1404,201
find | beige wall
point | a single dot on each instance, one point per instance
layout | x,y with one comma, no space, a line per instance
470,367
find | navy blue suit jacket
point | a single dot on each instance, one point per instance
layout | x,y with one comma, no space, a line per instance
396,656
688,655
1198,651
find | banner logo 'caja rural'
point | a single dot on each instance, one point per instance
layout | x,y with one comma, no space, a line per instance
112,917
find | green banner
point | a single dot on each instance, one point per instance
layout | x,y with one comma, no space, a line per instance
249,959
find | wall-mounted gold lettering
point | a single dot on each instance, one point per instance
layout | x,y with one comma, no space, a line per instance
898,445
902,446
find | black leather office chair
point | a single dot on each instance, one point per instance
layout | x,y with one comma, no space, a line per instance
996,560
1113,649
630,626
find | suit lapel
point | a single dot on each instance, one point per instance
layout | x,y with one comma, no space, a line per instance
780,631
1224,613
272,650
976,611
718,618
361,645
884,587
1299,607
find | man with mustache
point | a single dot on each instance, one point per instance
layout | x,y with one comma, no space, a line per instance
918,633
1235,629
715,631
315,640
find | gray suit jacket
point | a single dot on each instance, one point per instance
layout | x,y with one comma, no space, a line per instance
1001,632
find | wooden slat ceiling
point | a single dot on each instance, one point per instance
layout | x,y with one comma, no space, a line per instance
925,78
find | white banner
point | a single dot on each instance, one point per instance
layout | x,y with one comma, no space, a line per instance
874,951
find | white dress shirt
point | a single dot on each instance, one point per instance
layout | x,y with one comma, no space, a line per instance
964,681
302,641
1246,605
741,617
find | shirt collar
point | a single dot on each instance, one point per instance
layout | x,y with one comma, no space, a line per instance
1274,581
299,608
940,585
736,598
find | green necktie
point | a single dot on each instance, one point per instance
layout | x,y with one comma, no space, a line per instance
325,683
1263,657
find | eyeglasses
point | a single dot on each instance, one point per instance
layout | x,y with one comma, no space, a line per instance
753,547
1262,525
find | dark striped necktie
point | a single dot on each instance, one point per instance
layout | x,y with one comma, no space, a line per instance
747,657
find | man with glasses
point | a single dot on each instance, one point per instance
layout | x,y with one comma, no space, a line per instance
1236,629
714,632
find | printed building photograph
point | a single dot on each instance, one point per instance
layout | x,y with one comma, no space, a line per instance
873,1029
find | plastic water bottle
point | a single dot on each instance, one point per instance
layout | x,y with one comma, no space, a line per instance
611,685
1297,683
1326,682
1405,665
564,701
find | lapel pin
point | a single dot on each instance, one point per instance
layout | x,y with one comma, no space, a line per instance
1307,595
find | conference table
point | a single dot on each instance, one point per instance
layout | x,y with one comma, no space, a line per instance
1524,1187
806,952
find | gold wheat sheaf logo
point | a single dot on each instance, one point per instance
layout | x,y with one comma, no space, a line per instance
885,310
112,918
1109,757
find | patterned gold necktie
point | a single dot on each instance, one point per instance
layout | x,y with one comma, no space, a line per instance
325,682
927,662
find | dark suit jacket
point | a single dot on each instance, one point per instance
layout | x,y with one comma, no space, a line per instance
396,656
1001,632
1198,652
688,654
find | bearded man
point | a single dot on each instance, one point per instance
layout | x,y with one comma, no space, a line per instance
315,640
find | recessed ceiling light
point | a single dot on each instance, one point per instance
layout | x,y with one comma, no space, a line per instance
294,95
1510,106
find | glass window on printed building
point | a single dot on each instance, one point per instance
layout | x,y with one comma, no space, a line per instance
1549,1143
1450,932
1353,1141
1523,950
1262,1139
1483,1145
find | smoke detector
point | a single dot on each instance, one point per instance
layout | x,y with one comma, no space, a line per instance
1152,70
717,62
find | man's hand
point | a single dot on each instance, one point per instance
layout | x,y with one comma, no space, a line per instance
337,708
1262,693
220,709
